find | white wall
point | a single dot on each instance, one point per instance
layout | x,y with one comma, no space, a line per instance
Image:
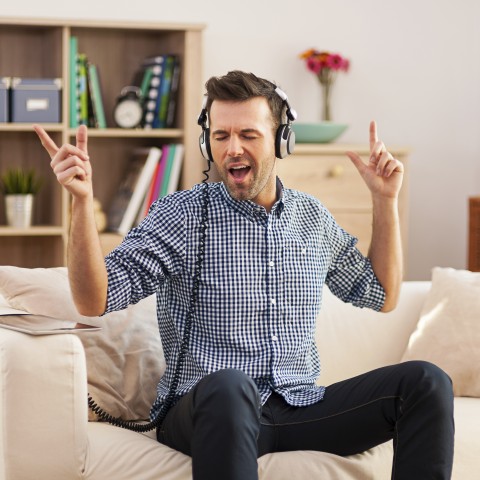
415,69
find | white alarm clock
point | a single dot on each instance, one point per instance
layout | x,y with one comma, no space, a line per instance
128,110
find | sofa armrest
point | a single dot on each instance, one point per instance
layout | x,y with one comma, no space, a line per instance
43,407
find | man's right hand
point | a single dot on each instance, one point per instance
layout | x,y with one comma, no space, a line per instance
70,163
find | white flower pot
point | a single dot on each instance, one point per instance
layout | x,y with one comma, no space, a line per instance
19,210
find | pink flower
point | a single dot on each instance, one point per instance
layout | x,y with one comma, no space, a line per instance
321,63
335,62
314,65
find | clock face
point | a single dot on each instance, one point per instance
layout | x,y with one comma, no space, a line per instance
128,113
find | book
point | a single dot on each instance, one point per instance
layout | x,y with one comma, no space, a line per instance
153,91
73,81
173,97
96,97
150,197
168,169
131,193
146,80
164,93
161,172
176,169
82,95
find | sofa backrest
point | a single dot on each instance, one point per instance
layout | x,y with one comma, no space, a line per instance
352,340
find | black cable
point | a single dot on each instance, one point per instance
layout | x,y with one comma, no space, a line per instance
169,401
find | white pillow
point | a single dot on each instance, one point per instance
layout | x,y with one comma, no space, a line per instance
124,360
448,332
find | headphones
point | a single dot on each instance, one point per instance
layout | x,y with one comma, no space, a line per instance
284,137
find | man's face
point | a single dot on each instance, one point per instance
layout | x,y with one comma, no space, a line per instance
243,147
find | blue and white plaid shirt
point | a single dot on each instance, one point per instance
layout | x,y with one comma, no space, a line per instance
260,287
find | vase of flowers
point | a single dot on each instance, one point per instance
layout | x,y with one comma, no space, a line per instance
325,66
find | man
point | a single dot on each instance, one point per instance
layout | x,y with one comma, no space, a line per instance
246,382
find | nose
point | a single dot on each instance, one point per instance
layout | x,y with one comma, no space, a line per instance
235,148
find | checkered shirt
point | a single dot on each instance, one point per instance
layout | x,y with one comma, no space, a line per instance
260,287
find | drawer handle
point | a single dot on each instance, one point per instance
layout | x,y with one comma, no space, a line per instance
336,171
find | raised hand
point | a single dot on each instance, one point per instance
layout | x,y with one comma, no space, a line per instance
383,174
70,163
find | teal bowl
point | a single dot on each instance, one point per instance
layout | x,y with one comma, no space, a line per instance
323,132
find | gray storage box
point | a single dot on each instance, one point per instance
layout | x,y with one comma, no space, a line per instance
4,94
36,100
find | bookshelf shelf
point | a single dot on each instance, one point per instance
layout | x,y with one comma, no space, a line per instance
133,133
34,231
39,48
27,127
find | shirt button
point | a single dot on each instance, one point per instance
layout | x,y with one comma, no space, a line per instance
271,263
274,338
272,301
304,251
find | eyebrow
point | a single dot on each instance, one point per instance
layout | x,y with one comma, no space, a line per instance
244,130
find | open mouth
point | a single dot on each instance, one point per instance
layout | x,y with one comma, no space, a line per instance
239,172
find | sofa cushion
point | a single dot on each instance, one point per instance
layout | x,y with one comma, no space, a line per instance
448,332
124,359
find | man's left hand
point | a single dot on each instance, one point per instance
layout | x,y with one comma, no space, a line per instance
383,174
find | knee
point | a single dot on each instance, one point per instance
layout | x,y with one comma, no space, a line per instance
230,390
431,381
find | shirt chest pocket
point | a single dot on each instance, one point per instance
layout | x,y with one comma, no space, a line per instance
304,273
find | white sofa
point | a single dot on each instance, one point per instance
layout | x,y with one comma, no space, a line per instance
46,435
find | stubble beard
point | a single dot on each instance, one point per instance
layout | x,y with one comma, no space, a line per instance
259,181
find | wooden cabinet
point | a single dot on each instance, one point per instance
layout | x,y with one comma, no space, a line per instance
324,171
40,49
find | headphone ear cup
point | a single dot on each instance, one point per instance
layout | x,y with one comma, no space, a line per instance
284,141
204,143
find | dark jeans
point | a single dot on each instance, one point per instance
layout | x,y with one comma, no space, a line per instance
223,427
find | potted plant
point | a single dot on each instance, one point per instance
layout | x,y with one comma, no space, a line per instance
19,187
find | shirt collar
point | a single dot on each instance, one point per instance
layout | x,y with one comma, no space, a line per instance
250,208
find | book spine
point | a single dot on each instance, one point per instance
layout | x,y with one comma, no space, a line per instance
140,190
82,98
165,91
172,101
161,173
168,170
176,169
73,81
156,119
150,104
97,98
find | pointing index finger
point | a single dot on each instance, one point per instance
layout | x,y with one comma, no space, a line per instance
373,134
82,138
47,143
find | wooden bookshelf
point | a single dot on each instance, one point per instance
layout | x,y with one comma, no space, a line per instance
39,48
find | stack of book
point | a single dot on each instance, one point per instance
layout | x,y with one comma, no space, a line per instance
151,173
86,100
158,79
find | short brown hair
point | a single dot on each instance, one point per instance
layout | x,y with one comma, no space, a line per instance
240,86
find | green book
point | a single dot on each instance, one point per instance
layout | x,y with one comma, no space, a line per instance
96,93
168,170
73,81
147,78
82,99
165,91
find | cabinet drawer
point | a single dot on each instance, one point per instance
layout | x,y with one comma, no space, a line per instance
334,180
